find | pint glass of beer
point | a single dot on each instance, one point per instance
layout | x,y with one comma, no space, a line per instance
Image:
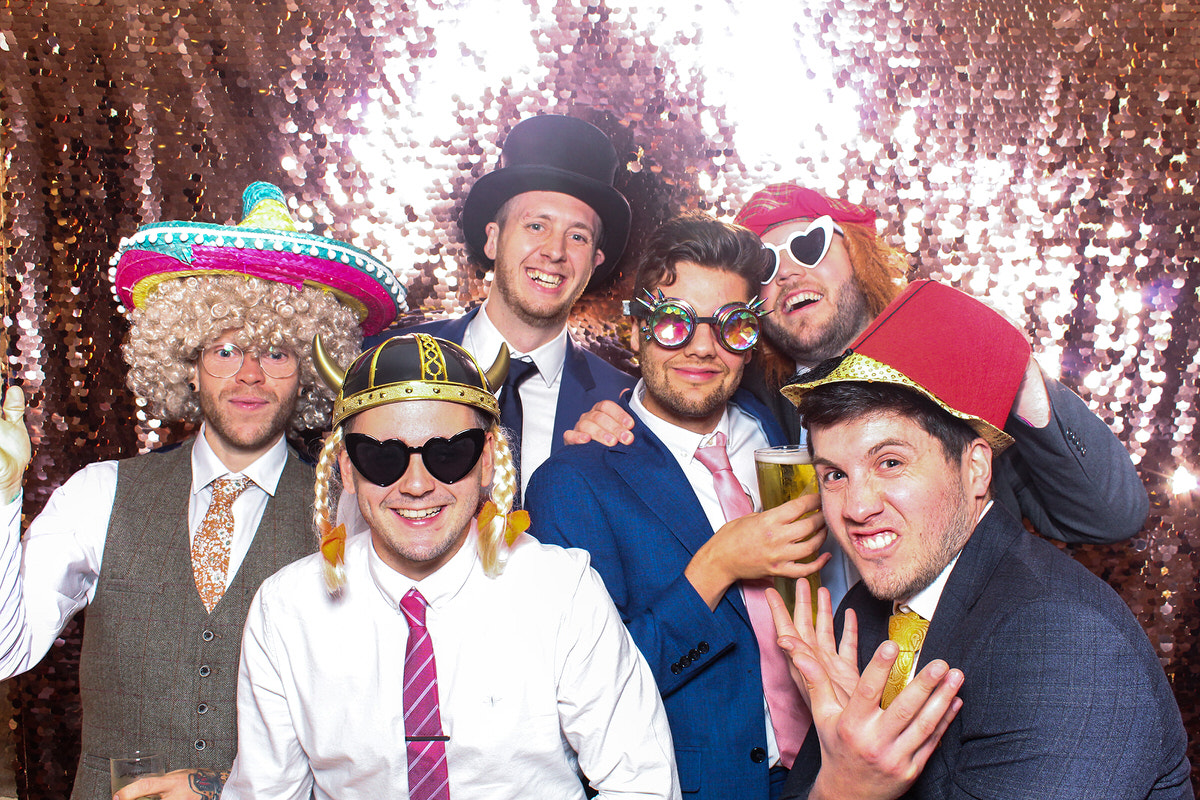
784,473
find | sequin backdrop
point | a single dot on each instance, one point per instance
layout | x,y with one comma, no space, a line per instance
1039,154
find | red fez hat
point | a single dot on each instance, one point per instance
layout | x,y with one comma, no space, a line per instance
784,202
943,343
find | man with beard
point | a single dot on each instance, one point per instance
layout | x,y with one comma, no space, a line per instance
830,275
1061,695
668,518
167,549
550,224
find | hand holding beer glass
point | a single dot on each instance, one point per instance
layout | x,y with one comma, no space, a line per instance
785,473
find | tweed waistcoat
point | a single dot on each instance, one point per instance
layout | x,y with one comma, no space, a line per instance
156,670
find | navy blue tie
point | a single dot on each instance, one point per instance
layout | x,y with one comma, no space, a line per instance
511,413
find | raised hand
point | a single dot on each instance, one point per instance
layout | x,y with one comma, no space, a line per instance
800,638
14,444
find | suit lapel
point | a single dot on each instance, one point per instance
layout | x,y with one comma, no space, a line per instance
976,563
574,393
653,474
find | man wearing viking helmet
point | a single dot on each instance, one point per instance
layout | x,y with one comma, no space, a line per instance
502,660
167,549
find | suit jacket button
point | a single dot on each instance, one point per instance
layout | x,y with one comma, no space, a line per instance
676,669
702,647
758,755
694,655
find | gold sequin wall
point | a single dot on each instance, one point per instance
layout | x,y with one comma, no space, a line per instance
1041,155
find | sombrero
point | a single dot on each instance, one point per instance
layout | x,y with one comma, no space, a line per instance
265,244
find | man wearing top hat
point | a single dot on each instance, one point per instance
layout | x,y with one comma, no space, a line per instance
444,653
1059,692
167,549
831,275
550,224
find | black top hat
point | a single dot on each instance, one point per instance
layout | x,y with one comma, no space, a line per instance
553,154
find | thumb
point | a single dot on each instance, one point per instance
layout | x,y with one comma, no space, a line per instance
14,405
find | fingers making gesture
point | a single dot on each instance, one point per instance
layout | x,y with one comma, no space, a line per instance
867,752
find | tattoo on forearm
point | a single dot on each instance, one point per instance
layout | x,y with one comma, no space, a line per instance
207,783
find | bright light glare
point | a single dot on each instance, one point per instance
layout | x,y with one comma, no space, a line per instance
1183,481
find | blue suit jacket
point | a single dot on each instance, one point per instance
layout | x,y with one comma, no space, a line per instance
586,380
1063,695
632,509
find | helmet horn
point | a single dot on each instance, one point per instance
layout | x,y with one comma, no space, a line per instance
498,371
333,375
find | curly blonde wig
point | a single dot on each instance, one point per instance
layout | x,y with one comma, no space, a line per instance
183,316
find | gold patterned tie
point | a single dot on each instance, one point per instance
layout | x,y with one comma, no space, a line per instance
210,548
908,631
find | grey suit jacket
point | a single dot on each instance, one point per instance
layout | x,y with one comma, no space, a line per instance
1063,695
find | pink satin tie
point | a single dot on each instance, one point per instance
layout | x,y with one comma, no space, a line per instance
790,716
428,773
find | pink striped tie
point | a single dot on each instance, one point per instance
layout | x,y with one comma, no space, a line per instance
789,714
428,776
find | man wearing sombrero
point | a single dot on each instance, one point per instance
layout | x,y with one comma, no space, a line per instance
444,653
1059,693
167,549
550,224
831,274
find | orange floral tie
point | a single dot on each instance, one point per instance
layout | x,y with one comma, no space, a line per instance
210,548
908,631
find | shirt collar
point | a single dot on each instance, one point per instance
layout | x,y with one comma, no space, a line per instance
678,440
925,602
482,339
265,472
438,588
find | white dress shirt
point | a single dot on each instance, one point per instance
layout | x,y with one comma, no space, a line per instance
49,575
539,392
537,676
743,435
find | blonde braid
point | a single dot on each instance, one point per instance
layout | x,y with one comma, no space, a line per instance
328,482
503,490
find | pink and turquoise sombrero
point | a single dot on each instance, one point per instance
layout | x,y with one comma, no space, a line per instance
265,244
